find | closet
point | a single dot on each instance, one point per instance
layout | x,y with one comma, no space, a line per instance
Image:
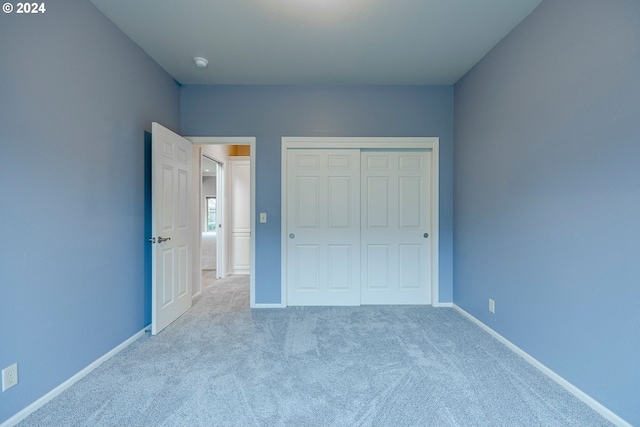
358,223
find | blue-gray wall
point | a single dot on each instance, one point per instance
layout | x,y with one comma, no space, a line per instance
547,194
76,96
547,185
271,112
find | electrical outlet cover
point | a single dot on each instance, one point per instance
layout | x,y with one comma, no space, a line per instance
9,377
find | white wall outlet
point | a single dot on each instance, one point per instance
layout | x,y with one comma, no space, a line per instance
263,217
492,305
9,377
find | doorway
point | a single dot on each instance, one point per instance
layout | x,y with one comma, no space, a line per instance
222,150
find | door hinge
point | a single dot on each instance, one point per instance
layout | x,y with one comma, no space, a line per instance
152,239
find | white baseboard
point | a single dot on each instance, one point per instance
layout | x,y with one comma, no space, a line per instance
594,404
440,304
443,304
68,383
277,305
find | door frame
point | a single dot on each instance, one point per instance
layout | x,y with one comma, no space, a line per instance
231,140
428,143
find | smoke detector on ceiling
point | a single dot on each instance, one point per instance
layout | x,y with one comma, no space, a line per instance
200,62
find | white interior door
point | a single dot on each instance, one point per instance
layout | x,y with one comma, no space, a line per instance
240,216
395,250
171,173
209,214
323,227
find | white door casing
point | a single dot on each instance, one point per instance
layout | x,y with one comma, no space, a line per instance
220,217
395,227
240,217
423,254
323,231
171,171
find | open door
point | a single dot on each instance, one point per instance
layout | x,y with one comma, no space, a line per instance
171,171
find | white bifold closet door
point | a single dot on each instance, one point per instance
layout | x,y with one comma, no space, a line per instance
323,240
396,258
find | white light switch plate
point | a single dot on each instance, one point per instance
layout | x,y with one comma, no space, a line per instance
263,217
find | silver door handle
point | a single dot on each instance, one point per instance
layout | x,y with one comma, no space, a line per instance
291,236
163,239
425,235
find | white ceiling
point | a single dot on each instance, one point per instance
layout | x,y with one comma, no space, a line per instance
208,167
317,42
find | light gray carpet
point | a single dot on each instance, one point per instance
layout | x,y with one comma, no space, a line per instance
223,364
208,250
